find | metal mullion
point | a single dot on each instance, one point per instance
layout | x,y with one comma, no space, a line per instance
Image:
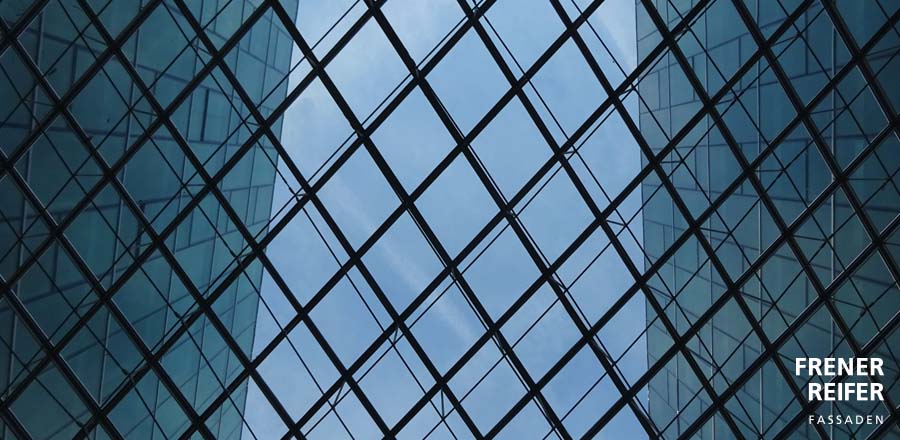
22,24
713,250
772,301
82,82
129,130
121,163
380,118
599,353
588,392
719,201
891,420
701,113
814,133
460,363
507,315
783,167
174,337
33,378
764,256
746,309
867,349
95,283
54,351
794,186
29,104
202,302
71,44
845,103
351,382
552,427
507,71
105,297
651,298
417,348
256,135
223,331
723,274
95,188
543,59
283,105
886,108
852,167
885,14
316,298
500,339
619,107
827,191
647,62
246,100
301,316
880,430
599,39
458,137
291,29
12,423
433,99
47,346
38,383
576,151
332,405
117,241
296,321
322,341
374,316
14,358
186,322
521,232
73,173
97,286
489,242
801,319
385,170
473,350
867,306
680,340
829,159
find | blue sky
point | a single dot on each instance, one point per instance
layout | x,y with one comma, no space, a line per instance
456,206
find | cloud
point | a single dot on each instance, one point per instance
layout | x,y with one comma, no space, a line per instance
618,31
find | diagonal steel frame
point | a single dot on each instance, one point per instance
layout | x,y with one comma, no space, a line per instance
368,244
170,258
635,181
332,89
732,144
709,211
95,284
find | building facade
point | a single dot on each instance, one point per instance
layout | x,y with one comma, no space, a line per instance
480,226
115,117
789,185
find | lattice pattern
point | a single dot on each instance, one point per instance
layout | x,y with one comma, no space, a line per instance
241,219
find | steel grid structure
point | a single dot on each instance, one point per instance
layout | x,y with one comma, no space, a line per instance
726,220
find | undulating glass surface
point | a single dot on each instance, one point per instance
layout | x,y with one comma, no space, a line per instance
265,219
